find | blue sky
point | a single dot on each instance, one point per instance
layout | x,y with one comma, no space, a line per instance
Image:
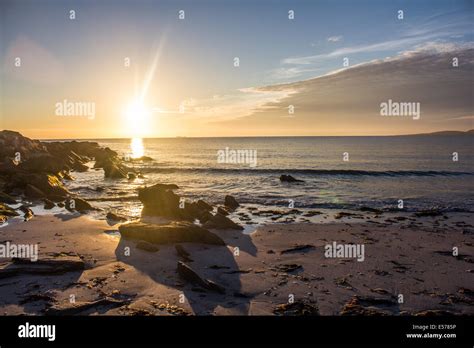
197,53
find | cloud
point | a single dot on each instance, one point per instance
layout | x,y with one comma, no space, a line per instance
348,101
334,38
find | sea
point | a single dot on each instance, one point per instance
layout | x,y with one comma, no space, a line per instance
412,173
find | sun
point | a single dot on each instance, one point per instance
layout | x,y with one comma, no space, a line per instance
137,119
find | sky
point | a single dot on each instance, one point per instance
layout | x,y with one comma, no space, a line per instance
180,78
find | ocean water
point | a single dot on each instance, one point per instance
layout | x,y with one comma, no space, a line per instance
378,173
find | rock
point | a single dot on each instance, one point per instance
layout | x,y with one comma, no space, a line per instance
33,192
46,266
182,253
289,178
114,171
160,200
231,203
431,212
298,248
175,232
6,198
369,306
79,205
144,245
204,205
78,307
188,274
288,268
342,214
116,217
28,213
131,176
371,210
5,210
297,308
221,222
48,204
222,211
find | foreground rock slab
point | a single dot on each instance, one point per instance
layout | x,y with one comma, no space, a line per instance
175,232
188,274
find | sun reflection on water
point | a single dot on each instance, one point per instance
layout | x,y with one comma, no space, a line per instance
136,147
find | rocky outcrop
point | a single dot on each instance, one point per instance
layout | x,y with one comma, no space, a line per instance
175,232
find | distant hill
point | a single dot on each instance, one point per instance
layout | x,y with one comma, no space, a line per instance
469,132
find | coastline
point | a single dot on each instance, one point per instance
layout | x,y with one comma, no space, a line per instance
195,257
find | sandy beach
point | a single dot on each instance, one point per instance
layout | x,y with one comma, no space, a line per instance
266,275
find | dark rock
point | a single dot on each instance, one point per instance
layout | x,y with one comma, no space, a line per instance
48,204
115,217
221,222
175,232
371,210
147,246
6,198
46,266
288,268
28,213
231,203
33,192
432,212
160,200
289,178
182,253
131,176
297,308
222,211
298,248
188,274
79,205
204,205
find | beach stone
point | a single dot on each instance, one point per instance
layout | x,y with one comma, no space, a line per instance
231,203
188,274
48,204
221,222
174,232
289,178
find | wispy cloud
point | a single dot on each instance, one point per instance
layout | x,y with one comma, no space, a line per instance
334,38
